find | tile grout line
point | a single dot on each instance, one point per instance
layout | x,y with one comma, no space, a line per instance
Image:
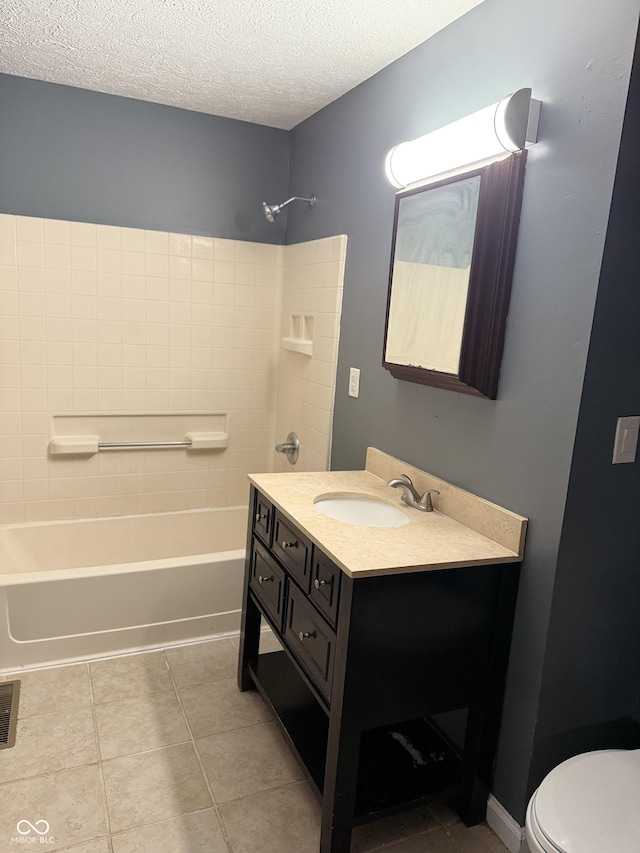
39,775
47,773
154,749
105,805
130,829
192,739
198,758
131,699
90,764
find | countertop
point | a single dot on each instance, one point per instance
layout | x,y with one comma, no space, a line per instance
463,529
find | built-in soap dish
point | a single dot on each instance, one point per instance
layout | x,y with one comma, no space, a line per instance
300,338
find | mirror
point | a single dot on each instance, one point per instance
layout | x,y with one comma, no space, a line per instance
452,258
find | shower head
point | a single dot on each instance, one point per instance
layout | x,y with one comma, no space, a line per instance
272,210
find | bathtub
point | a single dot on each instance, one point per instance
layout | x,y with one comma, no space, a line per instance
71,590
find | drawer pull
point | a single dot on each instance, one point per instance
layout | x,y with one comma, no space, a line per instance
305,635
263,579
260,516
286,545
318,583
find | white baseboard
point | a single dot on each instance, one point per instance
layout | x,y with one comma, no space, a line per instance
506,827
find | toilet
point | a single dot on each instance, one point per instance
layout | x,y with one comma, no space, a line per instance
588,804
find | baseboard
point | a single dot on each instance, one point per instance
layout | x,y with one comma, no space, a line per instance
506,827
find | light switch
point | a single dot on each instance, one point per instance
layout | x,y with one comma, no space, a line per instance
626,440
354,382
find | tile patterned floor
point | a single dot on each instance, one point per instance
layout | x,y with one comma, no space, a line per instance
160,753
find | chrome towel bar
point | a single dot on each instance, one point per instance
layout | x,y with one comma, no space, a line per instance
87,445
120,445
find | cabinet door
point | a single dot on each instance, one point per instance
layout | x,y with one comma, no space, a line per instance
293,550
311,640
267,583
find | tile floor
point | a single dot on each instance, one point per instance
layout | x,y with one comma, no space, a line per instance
160,753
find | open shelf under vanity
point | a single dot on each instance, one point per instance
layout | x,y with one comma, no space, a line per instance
400,765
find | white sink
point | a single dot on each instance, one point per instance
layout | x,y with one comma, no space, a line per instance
361,510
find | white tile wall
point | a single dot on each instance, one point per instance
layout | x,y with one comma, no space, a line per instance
312,275
97,318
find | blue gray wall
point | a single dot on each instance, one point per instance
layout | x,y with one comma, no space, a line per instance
590,696
69,153
516,451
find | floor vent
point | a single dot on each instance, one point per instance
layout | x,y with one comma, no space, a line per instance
9,692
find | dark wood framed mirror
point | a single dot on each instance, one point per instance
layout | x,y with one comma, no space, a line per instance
452,259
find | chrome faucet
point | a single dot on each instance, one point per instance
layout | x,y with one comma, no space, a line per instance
410,495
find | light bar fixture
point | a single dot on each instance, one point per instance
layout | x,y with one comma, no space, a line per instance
493,132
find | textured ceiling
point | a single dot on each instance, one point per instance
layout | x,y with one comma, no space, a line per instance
272,62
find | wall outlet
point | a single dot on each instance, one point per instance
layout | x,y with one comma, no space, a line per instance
626,440
354,382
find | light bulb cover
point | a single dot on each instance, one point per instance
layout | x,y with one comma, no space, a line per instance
490,133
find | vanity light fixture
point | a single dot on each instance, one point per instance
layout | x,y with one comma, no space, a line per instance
486,135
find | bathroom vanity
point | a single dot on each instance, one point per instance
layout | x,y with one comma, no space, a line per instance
395,640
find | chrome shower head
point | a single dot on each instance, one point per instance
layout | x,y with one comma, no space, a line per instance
272,210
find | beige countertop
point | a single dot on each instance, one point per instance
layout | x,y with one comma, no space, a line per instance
463,529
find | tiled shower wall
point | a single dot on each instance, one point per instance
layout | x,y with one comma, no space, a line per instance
97,319
312,277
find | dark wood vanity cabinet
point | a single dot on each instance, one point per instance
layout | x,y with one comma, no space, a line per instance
389,688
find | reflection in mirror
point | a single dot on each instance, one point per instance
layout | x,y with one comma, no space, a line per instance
432,261
452,259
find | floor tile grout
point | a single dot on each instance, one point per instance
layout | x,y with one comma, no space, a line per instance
198,757
145,751
51,713
132,698
118,832
237,729
443,825
48,773
82,844
105,803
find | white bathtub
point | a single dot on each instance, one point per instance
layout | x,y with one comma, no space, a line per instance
79,589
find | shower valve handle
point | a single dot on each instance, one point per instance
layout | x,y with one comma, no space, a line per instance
290,448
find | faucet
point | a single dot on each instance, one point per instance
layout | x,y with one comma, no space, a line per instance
410,495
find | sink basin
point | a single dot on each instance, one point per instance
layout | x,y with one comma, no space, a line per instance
361,510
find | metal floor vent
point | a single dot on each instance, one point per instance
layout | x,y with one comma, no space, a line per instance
9,693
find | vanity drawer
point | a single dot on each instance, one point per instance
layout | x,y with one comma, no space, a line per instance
263,518
293,550
267,583
311,640
325,585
